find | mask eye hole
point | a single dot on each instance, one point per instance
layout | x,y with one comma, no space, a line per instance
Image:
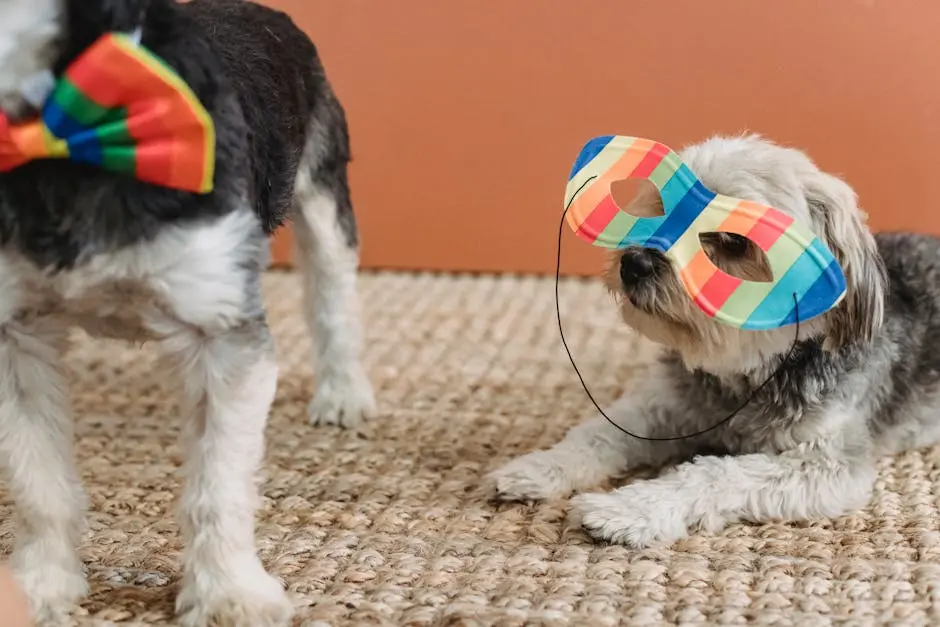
737,255
638,197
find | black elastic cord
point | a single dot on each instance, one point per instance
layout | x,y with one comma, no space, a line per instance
561,332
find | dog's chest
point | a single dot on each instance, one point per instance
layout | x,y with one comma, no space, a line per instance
116,309
104,304
187,278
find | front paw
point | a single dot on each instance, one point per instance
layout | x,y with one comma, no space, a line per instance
246,597
52,590
636,515
344,400
533,477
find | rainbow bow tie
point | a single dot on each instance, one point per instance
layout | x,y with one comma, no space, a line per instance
120,107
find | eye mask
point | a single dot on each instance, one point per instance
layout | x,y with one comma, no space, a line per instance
806,276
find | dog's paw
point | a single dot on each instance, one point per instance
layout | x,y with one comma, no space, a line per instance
632,515
233,600
342,400
52,591
536,476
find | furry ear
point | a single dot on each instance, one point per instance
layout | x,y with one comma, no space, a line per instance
120,15
858,317
86,20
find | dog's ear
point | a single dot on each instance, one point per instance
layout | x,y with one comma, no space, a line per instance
119,15
834,206
86,20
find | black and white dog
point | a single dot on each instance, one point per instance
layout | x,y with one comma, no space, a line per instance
82,247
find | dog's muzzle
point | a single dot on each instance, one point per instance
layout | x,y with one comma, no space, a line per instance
637,265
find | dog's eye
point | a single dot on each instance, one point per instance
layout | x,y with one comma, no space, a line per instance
737,256
734,244
727,245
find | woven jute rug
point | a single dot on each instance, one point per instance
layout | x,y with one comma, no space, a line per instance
389,525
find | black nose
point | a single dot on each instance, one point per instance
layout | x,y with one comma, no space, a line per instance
636,264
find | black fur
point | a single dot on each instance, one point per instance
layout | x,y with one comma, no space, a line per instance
261,80
274,67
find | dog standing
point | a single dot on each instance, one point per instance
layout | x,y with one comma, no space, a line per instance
862,381
82,247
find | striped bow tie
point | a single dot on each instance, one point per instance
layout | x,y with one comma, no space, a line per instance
121,108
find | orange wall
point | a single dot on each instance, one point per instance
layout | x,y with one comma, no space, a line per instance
467,114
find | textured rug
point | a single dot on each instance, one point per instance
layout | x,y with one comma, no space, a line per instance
389,525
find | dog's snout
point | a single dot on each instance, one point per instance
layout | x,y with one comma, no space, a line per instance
636,264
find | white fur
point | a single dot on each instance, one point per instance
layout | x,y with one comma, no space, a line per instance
186,290
328,265
712,492
36,442
225,414
28,32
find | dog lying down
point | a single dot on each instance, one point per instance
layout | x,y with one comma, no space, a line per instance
82,246
863,381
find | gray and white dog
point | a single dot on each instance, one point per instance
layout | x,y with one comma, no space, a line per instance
862,381
83,247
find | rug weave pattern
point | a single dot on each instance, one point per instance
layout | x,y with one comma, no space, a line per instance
389,525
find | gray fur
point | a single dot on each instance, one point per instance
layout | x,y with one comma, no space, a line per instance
326,158
862,381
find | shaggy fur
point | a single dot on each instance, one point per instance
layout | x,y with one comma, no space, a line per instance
81,247
863,380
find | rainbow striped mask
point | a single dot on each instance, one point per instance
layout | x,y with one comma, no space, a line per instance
807,278
121,108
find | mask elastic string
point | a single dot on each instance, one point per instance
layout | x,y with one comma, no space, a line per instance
796,339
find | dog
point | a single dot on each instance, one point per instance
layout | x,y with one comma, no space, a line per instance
861,381
121,258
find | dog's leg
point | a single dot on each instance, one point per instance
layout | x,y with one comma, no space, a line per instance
596,450
327,254
216,341
709,493
230,379
36,441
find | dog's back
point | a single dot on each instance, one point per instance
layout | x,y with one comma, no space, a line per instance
261,81
275,70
